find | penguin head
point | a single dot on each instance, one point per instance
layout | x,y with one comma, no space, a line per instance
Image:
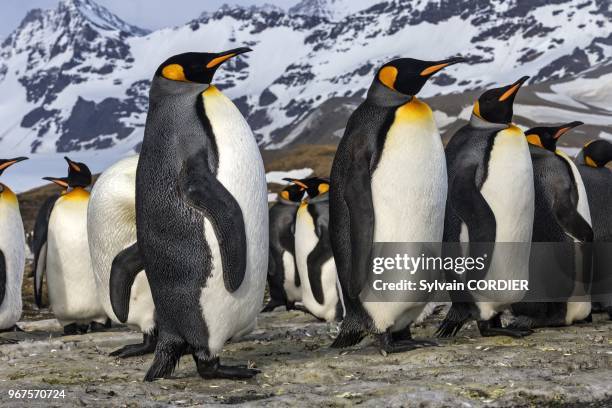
408,75
495,105
6,163
79,175
314,186
292,192
547,136
198,67
597,153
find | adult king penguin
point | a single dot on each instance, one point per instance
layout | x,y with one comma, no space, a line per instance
561,215
201,218
283,280
72,288
12,253
490,201
591,162
313,253
388,184
111,227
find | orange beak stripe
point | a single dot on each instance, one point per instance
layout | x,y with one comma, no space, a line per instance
219,60
434,68
509,92
561,132
7,164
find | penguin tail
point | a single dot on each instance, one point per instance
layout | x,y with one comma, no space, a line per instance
457,316
351,332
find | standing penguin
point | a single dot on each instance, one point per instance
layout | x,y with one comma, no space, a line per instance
111,227
201,218
12,253
283,279
561,215
591,162
490,200
72,288
313,253
388,184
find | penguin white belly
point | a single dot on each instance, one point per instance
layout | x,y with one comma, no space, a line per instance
509,191
241,171
12,244
72,288
293,292
306,240
409,188
111,227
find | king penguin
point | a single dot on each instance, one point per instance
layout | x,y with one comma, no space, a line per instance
201,219
12,253
283,279
111,227
313,253
591,162
561,215
70,280
490,201
388,184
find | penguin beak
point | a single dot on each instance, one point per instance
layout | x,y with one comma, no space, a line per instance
438,65
224,56
8,163
512,89
61,181
563,129
73,165
296,182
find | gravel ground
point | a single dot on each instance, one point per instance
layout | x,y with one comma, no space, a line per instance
554,367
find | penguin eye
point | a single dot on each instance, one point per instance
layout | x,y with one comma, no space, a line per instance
174,72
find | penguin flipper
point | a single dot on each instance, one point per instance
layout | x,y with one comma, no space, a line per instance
39,245
572,222
205,193
2,277
471,206
319,255
126,265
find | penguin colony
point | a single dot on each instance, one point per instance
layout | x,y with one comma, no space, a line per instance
178,242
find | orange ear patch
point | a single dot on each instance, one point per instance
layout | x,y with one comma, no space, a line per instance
590,162
476,110
174,72
285,194
534,139
323,188
387,76
219,60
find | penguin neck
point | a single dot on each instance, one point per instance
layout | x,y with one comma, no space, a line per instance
162,87
319,199
381,95
479,123
580,158
282,201
6,194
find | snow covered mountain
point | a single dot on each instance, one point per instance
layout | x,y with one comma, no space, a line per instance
75,79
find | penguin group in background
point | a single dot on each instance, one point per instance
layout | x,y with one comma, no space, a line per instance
111,228
313,253
388,184
70,280
12,253
201,219
283,279
561,215
490,200
591,162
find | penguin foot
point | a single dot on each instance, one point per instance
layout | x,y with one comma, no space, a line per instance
389,345
147,346
304,310
402,335
13,329
74,328
487,330
272,304
209,369
97,327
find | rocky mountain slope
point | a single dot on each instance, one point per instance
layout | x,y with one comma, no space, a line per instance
75,79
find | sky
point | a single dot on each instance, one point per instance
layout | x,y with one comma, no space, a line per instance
150,14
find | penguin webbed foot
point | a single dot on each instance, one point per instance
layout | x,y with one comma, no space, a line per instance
168,352
489,328
455,318
272,304
75,328
209,369
12,329
149,341
99,327
303,309
388,344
